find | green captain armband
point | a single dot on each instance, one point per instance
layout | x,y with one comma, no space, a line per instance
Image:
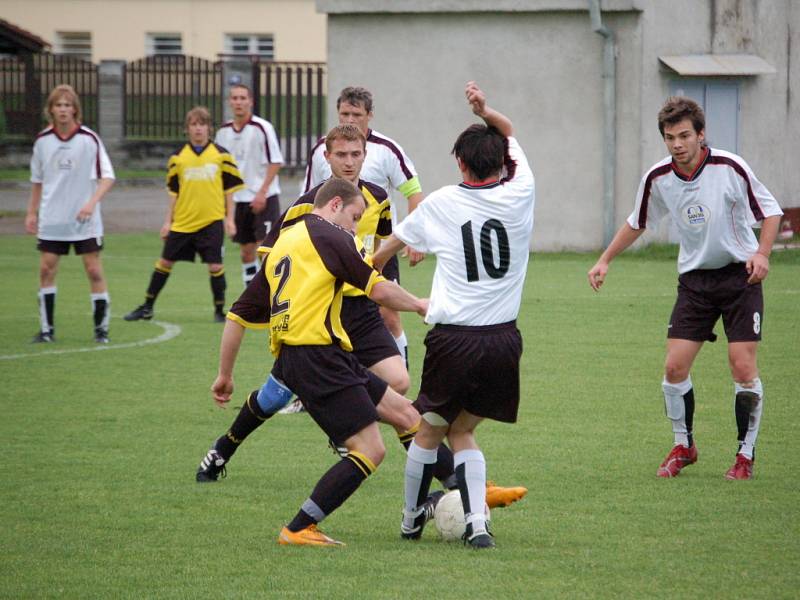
410,187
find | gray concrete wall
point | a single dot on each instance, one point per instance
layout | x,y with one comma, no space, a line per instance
540,63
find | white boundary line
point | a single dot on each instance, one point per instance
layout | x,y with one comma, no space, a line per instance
170,331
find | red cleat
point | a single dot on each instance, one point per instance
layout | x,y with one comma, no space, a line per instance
680,456
741,469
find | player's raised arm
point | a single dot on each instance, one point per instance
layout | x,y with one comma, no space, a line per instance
477,100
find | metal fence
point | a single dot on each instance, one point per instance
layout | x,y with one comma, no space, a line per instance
160,90
292,97
26,81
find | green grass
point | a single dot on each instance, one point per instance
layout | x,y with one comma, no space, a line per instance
98,498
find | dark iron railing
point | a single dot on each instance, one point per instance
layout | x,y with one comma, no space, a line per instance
160,90
26,81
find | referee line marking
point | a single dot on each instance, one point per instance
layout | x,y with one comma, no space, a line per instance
170,331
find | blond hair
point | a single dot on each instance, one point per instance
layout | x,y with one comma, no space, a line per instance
63,91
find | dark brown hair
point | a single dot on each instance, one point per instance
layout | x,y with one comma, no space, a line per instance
337,187
357,96
678,108
481,149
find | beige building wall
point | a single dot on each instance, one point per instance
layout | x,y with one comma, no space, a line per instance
119,28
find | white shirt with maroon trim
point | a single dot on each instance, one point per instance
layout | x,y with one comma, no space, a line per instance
481,238
386,164
68,169
254,146
714,208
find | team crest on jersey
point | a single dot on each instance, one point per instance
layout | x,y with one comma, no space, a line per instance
696,215
65,164
204,173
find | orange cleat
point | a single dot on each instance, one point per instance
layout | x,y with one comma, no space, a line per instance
499,497
310,536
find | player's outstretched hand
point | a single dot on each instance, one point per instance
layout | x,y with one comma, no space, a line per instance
757,267
476,98
221,390
597,275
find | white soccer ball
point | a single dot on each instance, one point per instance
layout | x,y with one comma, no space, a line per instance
449,517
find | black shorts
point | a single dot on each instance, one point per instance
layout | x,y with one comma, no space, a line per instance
705,294
61,247
337,391
372,342
471,368
252,228
391,270
207,242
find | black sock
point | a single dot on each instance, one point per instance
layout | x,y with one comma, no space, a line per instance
100,307
157,282
444,470
48,299
218,286
333,488
688,402
249,419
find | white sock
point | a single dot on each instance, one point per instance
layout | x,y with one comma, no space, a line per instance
418,461
101,302
402,345
748,444
675,404
471,473
249,271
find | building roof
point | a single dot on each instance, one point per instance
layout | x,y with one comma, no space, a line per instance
14,39
718,64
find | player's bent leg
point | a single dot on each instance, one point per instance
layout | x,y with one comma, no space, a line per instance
680,357
393,371
397,410
259,407
423,453
365,453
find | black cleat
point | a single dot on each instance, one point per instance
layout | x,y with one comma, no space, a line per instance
428,508
43,337
100,335
211,467
141,312
479,541
219,317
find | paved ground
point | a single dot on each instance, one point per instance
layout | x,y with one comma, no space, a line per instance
126,208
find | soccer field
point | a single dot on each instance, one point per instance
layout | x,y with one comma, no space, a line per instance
98,497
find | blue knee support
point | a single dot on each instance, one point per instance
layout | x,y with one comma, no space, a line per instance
273,395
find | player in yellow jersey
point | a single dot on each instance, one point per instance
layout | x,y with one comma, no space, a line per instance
303,278
201,179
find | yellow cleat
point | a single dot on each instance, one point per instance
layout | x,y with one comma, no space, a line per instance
498,497
310,536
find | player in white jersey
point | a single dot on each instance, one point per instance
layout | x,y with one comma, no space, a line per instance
386,165
253,143
714,199
70,173
480,233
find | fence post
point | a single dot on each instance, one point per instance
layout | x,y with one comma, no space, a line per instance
234,71
111,99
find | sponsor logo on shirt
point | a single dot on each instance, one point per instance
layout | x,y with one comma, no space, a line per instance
204,173
696,215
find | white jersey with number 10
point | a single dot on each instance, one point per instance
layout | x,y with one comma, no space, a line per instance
480,236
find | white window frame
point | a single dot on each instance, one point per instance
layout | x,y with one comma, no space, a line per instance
234,43
164,43
74,43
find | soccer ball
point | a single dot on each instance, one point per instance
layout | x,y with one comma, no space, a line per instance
449,517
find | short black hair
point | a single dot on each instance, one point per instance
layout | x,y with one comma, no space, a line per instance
337,187
481,149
